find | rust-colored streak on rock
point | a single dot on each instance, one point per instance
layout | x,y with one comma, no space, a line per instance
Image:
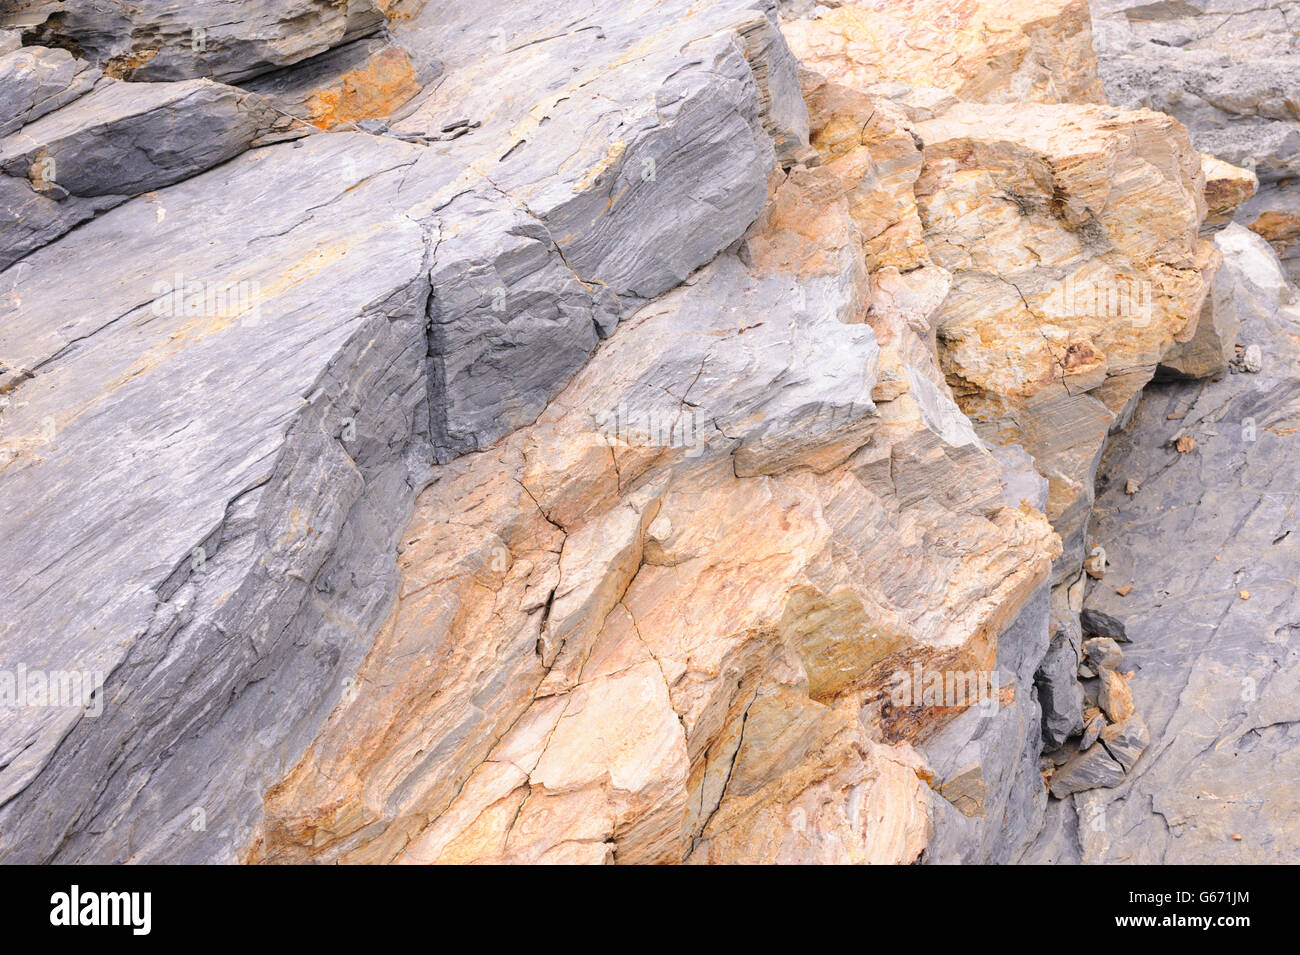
375,90
1280,228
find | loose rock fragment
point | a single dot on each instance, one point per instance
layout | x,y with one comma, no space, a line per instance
1104,652
1096,564
1115,696
1249,360
1104,764
1100,624
1091,732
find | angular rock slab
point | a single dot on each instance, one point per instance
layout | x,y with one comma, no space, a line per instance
197,475
159,40
114,142
1104,764
259,563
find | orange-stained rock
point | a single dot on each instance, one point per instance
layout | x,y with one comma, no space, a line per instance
1226,188
1071,233
1014,51
373,90
666,621
660,624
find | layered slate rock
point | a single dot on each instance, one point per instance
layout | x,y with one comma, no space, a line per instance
35,80
369,79
530,433
198,475
111,143
644,153
160,40
655,626
208,467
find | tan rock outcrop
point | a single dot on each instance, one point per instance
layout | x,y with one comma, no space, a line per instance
1071,233
621,442
1020,51
667,621
661,624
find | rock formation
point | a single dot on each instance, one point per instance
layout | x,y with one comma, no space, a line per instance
1229,71
640,433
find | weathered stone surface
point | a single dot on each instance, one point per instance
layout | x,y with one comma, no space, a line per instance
114,142
1067,286
123,139
528,433
283,505
998,764
671,519
1274,213
1227,78
637,176
150,520
1092,732
34,80
1226,188
1230,72
160,40
1247,284
1103,652
1059,692
368,79
1215,674
1103,765
1114,696
1020,51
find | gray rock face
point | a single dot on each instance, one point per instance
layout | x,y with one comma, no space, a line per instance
159,40
1214,654
1213,346
223,510
279,346
632,179
124,139
34,80
1275,214
1226,70
992,755
117,141
993,794
1103,765
358,81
